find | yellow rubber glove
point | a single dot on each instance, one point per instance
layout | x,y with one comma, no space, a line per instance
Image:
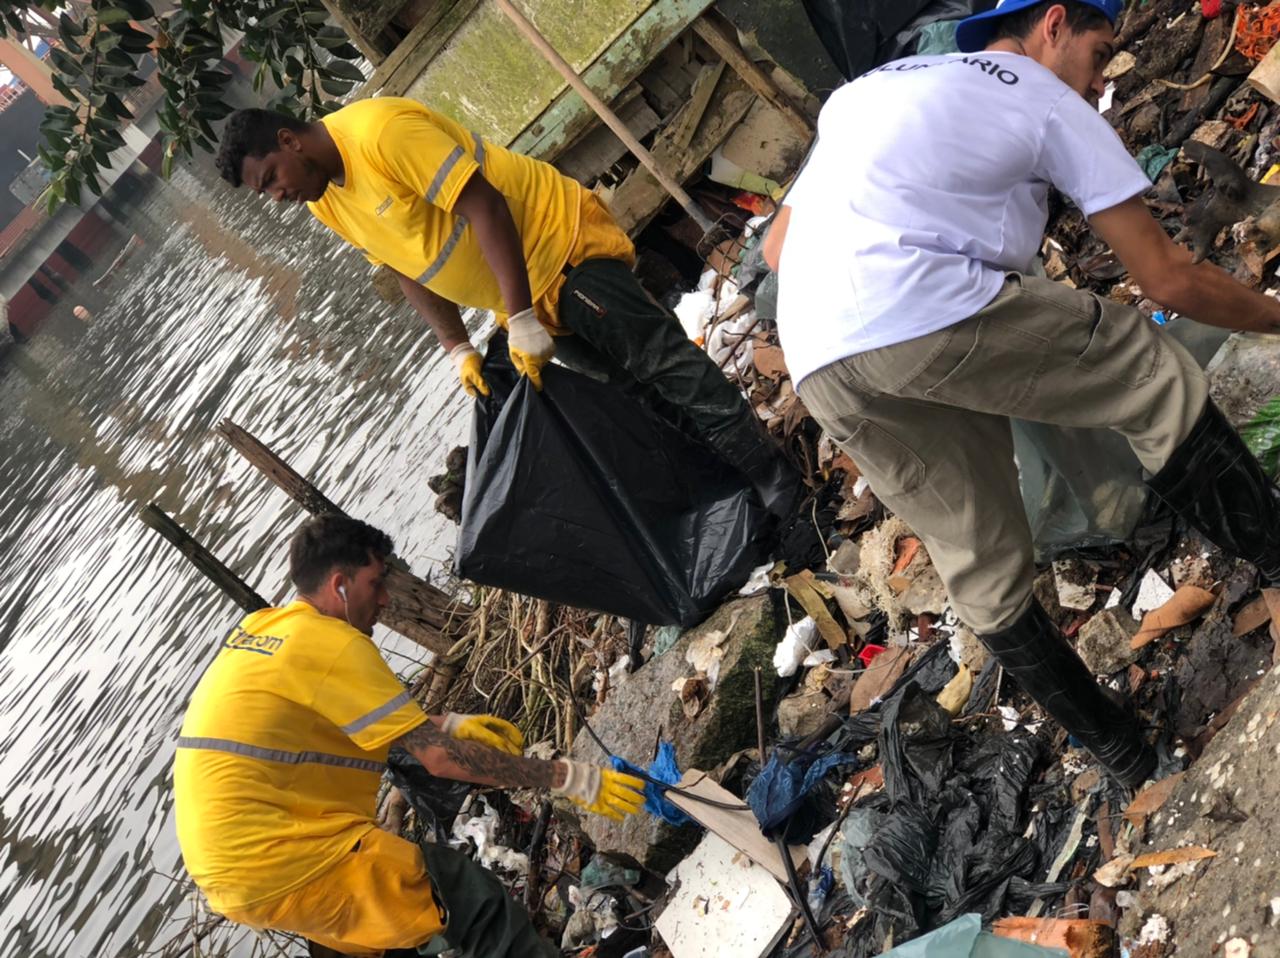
601,791
530,345
468,363
486,730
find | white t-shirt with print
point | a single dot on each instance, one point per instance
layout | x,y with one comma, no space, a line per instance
929,181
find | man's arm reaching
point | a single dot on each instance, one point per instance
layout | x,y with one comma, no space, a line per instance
1165,272
466,761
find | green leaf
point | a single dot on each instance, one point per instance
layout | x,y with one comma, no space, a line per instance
92,180
342,70
65,63
336,87
1262,436
72,189
316,17
106,40
138,9
275,16
109,15
166,162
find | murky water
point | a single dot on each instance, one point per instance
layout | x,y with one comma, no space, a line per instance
235,309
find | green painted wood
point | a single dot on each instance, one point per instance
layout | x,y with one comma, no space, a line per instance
488,77
569,116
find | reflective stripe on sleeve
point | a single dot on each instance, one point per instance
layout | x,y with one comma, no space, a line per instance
279,755
479,149
445,252
382,711
442,174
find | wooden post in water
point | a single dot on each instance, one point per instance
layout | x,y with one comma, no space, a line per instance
418,610
214,570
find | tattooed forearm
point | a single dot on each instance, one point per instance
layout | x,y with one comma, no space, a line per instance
471,762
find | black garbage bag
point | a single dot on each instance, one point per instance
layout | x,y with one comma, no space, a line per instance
435,801
950,837
861,34
581,495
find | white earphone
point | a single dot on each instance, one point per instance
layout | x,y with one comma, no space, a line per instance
342,591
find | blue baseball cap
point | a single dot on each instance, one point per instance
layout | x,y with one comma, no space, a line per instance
974,33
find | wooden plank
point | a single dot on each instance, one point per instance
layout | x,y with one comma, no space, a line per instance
596,151
568,117
407,61
639,198
367,46
712,29
214,569
739,828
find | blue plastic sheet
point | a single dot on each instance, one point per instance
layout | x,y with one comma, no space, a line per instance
780,788
664,769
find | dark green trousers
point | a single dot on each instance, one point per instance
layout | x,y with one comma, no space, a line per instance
482,920
622,337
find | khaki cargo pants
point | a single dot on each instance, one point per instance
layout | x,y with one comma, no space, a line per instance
927,422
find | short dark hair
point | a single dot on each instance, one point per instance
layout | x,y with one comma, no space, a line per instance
252,132
326,543
1081,17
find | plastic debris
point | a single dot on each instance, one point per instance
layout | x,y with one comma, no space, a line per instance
795,646
1153,593
664,769
964,938
580,495
479,828
780,788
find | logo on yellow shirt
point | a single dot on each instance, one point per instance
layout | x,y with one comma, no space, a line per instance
383,206
248,642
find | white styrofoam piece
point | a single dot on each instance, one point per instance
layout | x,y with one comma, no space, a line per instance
724,906
1153,593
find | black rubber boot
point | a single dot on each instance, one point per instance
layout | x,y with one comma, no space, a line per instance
1034,651
751,451
1216,484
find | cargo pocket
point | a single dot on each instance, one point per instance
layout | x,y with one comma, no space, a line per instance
1123,347
889,465
998,373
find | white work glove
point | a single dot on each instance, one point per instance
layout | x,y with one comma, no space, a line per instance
601,791
531,346
468,362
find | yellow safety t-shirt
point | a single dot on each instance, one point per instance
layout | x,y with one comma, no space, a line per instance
404,167
281,753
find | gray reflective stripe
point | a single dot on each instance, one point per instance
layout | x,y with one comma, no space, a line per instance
382,711
445,252
479,149
279,755
442,174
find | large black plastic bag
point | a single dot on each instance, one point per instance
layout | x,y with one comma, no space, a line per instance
581,495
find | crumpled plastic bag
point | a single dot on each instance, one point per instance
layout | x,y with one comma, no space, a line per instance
964,938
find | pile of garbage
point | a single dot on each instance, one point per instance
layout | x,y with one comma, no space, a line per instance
887,790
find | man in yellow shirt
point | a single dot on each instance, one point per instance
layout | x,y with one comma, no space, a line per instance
463,222
281,754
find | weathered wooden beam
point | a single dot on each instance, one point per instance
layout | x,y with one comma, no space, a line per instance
406,62
611,119
720,37
569,116
639,197
418,610
234,587
367,46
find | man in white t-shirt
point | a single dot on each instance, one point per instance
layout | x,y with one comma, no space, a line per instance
914,330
